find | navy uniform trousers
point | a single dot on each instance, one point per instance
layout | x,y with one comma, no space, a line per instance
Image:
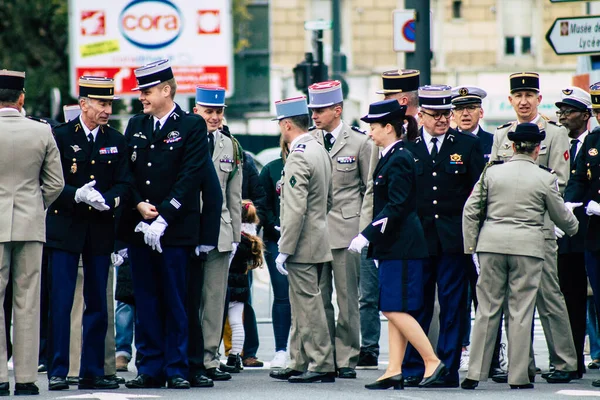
159,284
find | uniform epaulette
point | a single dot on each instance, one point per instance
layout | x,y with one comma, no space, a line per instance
43,121
225,130
545,117
312,128
357,129
238,151
547,169
505,125
554,123
595,131
495,162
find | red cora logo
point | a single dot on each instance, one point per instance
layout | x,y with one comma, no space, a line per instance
93,23
148,22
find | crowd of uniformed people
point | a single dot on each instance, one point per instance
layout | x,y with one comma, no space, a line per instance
425,206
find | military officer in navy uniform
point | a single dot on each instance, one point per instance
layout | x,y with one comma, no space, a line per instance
169,160
448,164
468,112
401,85
574,114
81,223
584,186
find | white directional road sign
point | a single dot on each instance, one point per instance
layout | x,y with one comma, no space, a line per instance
575,35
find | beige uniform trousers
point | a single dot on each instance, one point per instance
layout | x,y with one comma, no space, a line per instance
24,260
110,366
343,272
310,343
514,281
212,308
554,316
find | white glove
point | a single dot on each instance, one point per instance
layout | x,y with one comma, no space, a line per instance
592,208
571,206
154,232
278,229
123,253
116,259
559,232
234,245
280,263
142,227
203,249
95,199
82,192
358,243
476,262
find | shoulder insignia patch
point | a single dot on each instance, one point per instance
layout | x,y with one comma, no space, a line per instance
357,129
299,148
505,125
547,169
43,121
312,128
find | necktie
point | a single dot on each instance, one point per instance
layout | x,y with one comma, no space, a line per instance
211,143
90,138
329,140
156,131
573,151
434,149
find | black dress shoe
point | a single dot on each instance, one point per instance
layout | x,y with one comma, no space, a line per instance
200,380
115,378
496,371
98,382
396,381
4,389
439,373
559,377
346,373
412,381
26,389
284,374
313,376
177,382
596,383
72,380
57,383
143,381
526,386
469,384
217,375
228,369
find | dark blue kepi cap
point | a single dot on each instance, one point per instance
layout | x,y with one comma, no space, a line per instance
13,80
527,132
152,74
385,110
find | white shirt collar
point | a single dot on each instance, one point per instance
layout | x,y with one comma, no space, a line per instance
387,149
476,130
87,130
164,119
337,130
216,133
428,138
580,139
7,109
295,141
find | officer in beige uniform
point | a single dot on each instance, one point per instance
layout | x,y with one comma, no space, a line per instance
350,152
514,201
306,198
31,180
554,154
403,86
210,104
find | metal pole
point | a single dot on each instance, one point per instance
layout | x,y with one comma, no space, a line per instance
336,39
421,58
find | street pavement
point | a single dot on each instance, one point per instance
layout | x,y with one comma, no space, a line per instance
256,384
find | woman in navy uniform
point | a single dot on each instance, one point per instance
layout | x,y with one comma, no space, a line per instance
397,242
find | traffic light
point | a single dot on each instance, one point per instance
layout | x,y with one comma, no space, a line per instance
308,72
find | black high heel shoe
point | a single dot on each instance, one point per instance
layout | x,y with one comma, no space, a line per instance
397,381
438,374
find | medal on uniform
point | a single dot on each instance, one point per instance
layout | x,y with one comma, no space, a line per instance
74,168
133,156
593,152
589,174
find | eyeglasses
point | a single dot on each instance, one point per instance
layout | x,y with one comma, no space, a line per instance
469,109
566,113
439,116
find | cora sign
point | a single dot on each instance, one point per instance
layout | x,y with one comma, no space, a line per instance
114,37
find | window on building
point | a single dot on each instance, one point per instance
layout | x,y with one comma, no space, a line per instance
457,9
526,45
509,45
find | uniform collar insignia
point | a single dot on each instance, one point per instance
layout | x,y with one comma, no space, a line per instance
175,115
75,148
77,127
